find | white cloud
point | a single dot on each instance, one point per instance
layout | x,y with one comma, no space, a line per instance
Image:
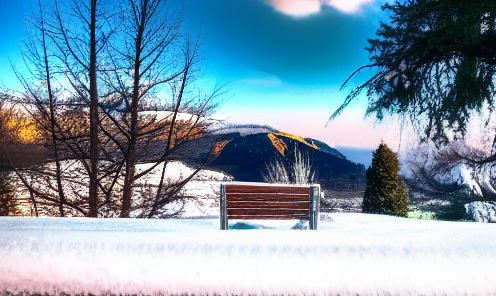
296,8
347,6
304,8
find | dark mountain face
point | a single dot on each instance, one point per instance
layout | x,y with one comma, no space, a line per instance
245,157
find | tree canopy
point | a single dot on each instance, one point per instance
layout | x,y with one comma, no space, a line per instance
435,62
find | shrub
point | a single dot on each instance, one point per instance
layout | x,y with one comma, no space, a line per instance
8,202
276,173
422,215
300,170
454,212
17,128
385,192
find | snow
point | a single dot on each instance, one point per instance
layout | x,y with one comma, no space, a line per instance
243,129
482,211
204,187
168,115
350,254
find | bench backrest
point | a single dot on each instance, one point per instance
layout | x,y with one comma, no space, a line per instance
262,201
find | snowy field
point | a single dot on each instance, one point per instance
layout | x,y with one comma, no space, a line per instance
352,254
204,188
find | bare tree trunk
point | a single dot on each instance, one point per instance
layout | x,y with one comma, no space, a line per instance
58,174
31,197
169,141
93,174
131,151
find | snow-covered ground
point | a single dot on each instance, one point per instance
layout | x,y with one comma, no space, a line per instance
352,254
204,188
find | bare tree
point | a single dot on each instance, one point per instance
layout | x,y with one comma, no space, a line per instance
80,32
156,59
148,36
61,58
108,64
41,101
433,171
438,172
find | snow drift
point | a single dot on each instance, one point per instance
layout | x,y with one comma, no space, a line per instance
353,254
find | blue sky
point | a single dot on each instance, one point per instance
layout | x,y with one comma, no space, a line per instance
285,61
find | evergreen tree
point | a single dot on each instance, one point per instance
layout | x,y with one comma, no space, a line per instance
434,60
385,192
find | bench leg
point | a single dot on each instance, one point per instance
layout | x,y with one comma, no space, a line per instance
223,208
314,206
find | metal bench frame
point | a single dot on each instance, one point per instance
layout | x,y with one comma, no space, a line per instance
264,201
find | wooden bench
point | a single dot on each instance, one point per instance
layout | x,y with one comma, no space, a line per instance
263,201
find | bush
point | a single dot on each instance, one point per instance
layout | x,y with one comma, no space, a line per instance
385,192
454,212
300,170
8,202
17,128
276,173
422,215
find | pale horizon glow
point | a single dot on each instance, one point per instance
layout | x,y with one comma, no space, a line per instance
350,129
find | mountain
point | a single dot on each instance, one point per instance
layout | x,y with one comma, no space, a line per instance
245,157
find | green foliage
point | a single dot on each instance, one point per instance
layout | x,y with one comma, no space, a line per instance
435,59
453,212
422,215
8,202
385,192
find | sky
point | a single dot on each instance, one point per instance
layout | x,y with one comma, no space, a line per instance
284,62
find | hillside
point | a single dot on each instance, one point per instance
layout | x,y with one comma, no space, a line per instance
242,151
245,157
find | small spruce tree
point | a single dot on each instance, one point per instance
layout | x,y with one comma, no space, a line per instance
385,192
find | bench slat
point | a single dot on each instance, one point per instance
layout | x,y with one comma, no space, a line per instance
263,204
271,194
271,217
258,212
266,189
268,197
